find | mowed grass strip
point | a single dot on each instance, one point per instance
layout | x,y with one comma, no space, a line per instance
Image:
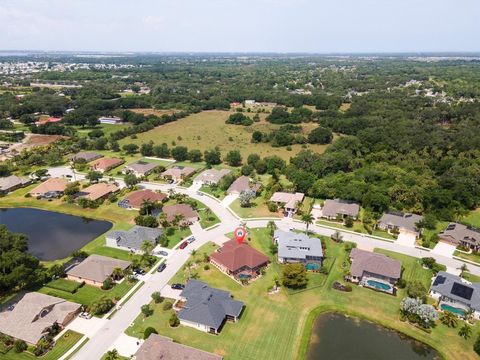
207,130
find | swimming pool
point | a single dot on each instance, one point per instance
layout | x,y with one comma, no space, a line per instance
378,285
456,311
312,266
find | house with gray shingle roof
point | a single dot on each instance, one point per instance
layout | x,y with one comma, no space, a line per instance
11,183
133,239
86,155
140,168
459,234
333,208
207,309
242,184
95,269
34,314
210,176
400,221
456,294
298,247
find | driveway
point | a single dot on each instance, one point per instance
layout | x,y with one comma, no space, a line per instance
126,345
228,200
406,239
170,293
88,327
444,249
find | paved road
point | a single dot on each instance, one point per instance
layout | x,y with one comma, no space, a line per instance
107,335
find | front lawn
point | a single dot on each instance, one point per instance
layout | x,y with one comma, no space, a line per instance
87,293
215,192
258,209
63,344
475,257
357,227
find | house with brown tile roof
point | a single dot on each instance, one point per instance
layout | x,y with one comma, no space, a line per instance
239,261
135,199
158,347
106,164
189,215
97,191
95,269
53,186
241,184
34,314
178,173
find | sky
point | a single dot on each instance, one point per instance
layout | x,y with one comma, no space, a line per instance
314,26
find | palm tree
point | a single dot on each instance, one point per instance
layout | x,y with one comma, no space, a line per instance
464,269
127,273
147,247
117,273
308,220
171,192
193,252
112,355
337,237
449,319
272,227
208,213
177,219
465,331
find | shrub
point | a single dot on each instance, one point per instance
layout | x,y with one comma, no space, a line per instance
206,267
101,306
401,283
348,288
476,346
107,284
19,346
157,297
174,321
167,306
272,207
146,311
149,331
324,270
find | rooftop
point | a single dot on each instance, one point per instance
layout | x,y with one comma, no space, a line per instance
141,167
136,198
332,208
401,220
366,261
459,232
297,245
289,199
178,171
97,191
50,185
242,184
212,175
9,182
235,256
179,209
106,163
455,288
97,267
134,237
86,155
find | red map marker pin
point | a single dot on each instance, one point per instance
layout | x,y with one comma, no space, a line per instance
240,234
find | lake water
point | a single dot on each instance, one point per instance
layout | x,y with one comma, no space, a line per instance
335,336
52,235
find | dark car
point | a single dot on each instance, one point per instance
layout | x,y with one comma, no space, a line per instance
178,286
183,245
161,267
138,271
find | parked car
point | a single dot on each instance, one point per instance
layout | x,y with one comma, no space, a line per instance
85,315
162,253
161,267
138,271
191,239
178,286
183,245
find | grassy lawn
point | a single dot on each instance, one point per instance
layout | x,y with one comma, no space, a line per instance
475,257
177,236
63,344
217,193
258,209
207,217
473,218
357,227
278,326
207,130
106,128
87,293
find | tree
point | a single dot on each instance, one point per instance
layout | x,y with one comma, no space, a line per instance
40,173
146,220
100,306
294,276
476,345
257,136
174,321
146,311
337,236
246,197
348,222
449,319
112,355
233,158
131,180
149,331
107,283
212,157
130,148
180,153
239,119
308,219
19,346
146,149
117,273
157,297
94,176
320,135
271,226
465,331
253,159
147,247
195,155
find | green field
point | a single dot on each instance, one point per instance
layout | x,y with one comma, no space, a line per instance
473,218
207,130
278,326
64,344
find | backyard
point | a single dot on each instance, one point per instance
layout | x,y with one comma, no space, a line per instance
278,326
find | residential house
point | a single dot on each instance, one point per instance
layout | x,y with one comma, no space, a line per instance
374,270
140,168
401,222
242,184
288,201
207,309
135,199
34,314
332,209
299,248
134,238
461,235
178,173
86,155
158,347
210,176
51,188
189,216
240,261
111,120
97,191
105,164
455,294
11,183
49,120
95,269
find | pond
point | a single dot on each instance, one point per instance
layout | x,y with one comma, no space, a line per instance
335,336
52,235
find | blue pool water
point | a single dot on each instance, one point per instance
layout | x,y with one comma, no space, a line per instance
452,309
312,267
378,285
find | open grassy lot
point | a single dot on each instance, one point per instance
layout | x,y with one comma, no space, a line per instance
64,344
87,293
279,326
106,128
177,235
207,130
258,209
473,218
